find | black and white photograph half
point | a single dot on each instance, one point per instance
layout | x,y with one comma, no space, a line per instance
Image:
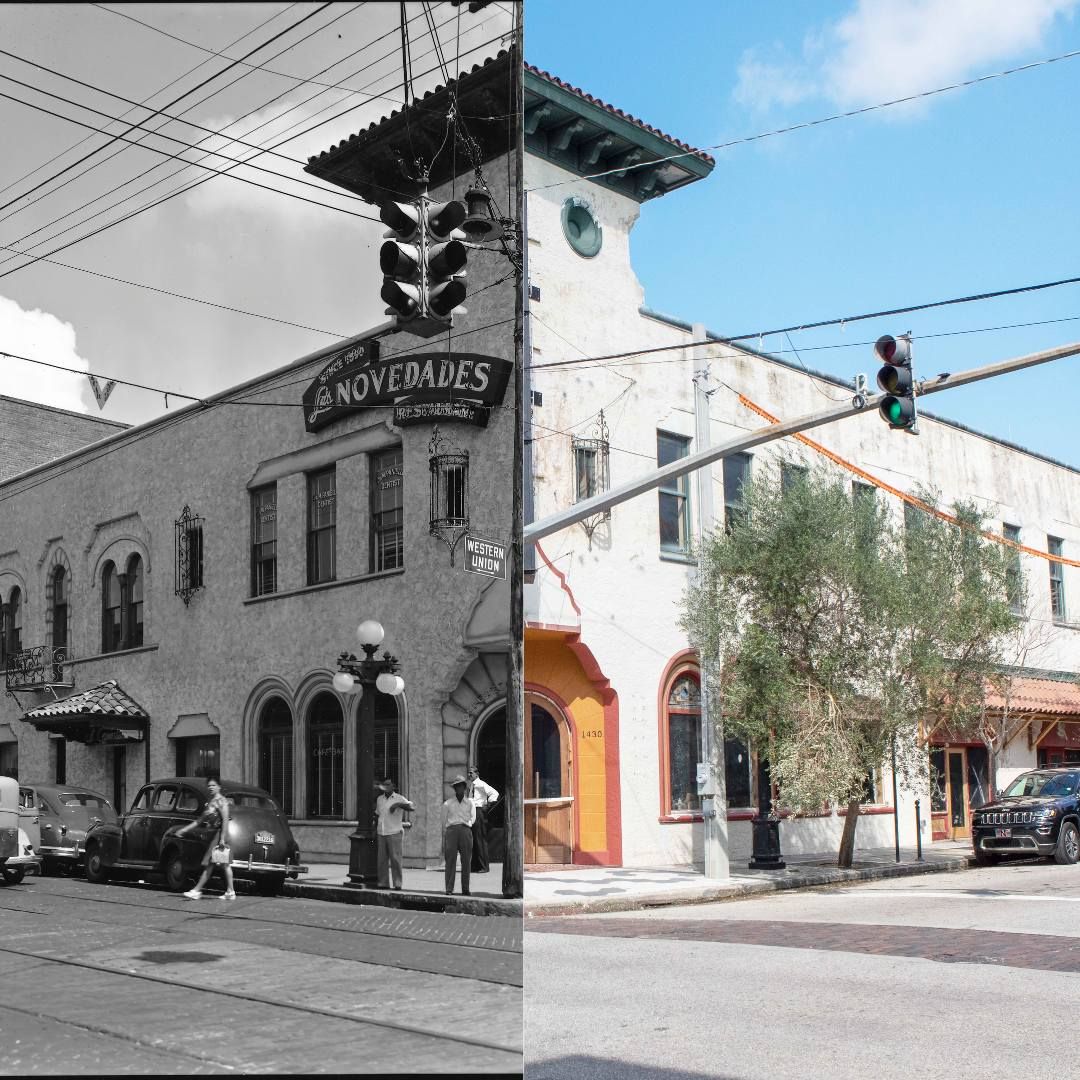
261,293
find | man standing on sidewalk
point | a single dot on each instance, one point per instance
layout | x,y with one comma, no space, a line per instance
484,796
458,815
390,809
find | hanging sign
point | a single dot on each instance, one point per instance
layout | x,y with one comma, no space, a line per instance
422,387
485,557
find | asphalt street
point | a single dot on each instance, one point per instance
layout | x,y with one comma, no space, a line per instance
129,979
961,975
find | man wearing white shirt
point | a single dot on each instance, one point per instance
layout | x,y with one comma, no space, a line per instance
484,796
458,815
390,810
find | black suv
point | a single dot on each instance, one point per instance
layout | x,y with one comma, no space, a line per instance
1037,814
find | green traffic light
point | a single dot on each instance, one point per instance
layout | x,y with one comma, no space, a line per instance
895,411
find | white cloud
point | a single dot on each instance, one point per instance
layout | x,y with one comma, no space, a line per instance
886,49
40,336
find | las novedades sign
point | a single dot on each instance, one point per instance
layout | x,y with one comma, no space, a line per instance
458,385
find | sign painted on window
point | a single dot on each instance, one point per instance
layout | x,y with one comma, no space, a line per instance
423,387
485,557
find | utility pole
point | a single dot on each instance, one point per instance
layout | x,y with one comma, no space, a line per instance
513,882
712,786
537,530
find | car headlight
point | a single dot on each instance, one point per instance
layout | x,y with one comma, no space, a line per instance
1048,814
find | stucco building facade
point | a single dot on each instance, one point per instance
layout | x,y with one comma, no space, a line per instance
613,713
190,583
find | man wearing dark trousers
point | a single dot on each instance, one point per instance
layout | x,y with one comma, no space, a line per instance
458,815
484,796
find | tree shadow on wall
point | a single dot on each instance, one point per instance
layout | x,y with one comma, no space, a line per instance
586,1067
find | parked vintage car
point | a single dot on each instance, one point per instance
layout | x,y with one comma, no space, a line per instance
144,841
16,853
64,812
1037,814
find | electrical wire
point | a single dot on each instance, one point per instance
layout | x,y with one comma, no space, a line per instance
726,340
816,123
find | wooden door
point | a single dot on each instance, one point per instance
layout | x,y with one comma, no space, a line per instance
549,800
956,787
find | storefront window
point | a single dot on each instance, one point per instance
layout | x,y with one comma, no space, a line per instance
326,759
276,753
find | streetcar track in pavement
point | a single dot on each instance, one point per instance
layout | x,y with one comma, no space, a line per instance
248,996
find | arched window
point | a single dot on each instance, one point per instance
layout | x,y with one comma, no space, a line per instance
59,608
387,739
111,595
326,758
134,636
682,741
12,628
275,750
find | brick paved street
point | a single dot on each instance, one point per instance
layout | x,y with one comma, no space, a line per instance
127,979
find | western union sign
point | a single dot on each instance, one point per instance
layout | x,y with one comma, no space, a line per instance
485,557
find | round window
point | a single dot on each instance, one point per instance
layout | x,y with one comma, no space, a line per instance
581,228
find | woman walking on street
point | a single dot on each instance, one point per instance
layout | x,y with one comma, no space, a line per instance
216,816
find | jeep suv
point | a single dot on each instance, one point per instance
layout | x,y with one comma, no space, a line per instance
1037,814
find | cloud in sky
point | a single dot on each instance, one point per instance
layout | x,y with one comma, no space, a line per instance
41,336
886,49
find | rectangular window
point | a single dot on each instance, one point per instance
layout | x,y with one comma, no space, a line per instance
264,541
1057,579
790,475
197,755
193,539
9,759
674,495
586,472
736,475
387,537
738,771
872,788
322,525
325,774
684,750
1014,580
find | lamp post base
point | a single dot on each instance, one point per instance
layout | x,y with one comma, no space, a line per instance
363,859
766,854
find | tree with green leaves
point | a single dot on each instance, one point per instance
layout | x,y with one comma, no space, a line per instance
826,630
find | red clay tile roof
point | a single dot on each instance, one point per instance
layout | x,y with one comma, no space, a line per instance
1038,696
104,700
618,112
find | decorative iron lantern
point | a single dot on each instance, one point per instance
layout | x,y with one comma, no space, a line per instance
449,511
188,536
592,470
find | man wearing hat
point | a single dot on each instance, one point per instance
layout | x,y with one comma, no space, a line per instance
458,815
390,810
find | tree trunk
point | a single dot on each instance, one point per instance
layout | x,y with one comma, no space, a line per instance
847,841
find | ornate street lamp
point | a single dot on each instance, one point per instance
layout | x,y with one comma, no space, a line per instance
366,677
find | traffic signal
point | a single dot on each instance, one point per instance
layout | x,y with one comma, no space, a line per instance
896,380
444,256
400,259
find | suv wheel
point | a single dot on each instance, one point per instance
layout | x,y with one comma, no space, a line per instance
96,870
1067,851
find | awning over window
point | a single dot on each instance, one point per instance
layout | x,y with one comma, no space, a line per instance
193,726
1046,697
102,714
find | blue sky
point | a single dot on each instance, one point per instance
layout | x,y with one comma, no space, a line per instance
965,192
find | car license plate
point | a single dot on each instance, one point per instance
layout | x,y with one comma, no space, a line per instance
1005,834
268,837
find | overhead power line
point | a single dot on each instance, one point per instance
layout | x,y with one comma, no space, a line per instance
726,340
907,99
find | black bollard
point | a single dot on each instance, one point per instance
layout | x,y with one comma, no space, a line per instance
918,832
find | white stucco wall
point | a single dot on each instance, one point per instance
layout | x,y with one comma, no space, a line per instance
628,593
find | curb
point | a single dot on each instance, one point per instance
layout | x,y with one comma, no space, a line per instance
440,903
744,890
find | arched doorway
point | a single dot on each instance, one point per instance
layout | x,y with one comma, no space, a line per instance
489,756
549,796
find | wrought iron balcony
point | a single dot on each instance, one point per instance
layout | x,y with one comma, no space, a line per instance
39,667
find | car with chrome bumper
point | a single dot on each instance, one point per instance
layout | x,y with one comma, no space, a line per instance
145,841
1037,814
65,812
17,855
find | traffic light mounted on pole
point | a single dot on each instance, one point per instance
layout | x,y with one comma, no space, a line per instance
897,381
423,263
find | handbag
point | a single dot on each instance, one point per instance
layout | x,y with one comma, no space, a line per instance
221,855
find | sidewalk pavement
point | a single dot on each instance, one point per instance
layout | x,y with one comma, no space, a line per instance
579,890
422,890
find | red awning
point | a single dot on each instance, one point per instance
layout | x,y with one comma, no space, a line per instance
1042,697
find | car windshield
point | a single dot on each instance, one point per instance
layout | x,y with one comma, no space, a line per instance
1035,783
91,802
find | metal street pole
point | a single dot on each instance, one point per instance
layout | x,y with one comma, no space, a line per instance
713,790
537,530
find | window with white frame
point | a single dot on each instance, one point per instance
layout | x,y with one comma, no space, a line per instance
1014,575
736,476
674,495
1054,548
